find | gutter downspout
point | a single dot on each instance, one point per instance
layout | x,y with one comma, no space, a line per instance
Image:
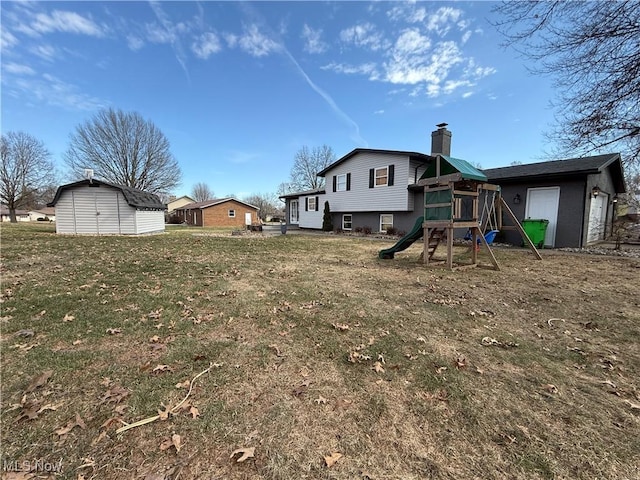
584,208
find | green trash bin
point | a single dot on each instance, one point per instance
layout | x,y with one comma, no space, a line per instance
535,230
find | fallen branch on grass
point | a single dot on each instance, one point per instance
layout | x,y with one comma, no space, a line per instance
144,421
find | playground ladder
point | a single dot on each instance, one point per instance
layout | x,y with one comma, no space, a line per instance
436,236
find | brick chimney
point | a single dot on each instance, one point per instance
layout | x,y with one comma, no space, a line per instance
441,140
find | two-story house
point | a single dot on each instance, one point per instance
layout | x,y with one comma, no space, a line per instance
368,188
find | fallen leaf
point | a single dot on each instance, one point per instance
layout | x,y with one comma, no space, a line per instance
550,387
115,394
340,326
161,368
246,453
195,413
378,367
154,339
76,342
461,362
39,381
71,425
25,333
68,318
184,384
320,400
114,331
164,414
330,460
177,441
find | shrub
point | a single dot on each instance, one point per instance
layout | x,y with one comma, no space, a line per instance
327,224
391,230
338,231
366,230
358,229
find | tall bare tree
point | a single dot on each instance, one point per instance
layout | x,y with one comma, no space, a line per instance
266,202
592,53
26,168
306,165
125,149
201,192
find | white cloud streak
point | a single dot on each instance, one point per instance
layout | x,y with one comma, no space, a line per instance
206,45
313,41
18,69
63,21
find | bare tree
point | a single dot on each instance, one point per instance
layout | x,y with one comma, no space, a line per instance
201,192
307,163
592,53
25,169
266,202
125,149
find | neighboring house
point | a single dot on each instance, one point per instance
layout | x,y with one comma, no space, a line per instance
21,215
578,196
45,213
379,189
219,212
95,207
175,203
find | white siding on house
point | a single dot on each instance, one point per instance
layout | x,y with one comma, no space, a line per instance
311,218
361,198
148,221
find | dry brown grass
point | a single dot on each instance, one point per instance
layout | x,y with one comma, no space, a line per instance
531,372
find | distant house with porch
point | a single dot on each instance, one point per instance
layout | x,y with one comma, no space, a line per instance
219,212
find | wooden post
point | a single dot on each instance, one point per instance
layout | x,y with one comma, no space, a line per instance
484,241
524,235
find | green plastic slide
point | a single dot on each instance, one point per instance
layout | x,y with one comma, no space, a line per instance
404,242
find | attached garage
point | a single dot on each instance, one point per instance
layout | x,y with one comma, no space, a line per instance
94,207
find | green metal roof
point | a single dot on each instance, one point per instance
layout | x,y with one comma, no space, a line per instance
449,165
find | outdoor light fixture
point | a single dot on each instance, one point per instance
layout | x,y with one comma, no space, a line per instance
615,199
595,191
517,199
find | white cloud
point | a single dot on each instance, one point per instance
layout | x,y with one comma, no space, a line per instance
206,45
406,67
441,21
378,112
364,35
159,34
231,39
467,94
69,22
134,43
56,92
256,43
46,52
7,39
369,69
313,41
411,42
465,37
18,69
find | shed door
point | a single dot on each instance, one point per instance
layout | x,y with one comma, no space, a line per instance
597,218
247,218
542,203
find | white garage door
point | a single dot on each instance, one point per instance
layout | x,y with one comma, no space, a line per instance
542,203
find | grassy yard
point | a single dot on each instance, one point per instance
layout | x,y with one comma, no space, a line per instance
320,361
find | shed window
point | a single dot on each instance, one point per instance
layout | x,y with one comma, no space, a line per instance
232,213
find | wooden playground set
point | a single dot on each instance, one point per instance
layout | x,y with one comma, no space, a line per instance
453,193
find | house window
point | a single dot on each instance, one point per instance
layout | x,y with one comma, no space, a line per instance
346,221
232,213
293,211
311,203
341,183
382,176
386,222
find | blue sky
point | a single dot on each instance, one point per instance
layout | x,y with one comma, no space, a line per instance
239,87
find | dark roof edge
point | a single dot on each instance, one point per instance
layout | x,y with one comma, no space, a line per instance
123,189
355,151
315,191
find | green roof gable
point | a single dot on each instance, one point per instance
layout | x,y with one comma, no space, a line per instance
450,165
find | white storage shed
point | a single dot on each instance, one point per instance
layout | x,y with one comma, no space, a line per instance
94,207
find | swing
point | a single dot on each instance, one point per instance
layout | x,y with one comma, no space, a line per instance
488,209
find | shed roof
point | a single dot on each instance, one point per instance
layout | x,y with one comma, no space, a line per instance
137,199
454,165
212,202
